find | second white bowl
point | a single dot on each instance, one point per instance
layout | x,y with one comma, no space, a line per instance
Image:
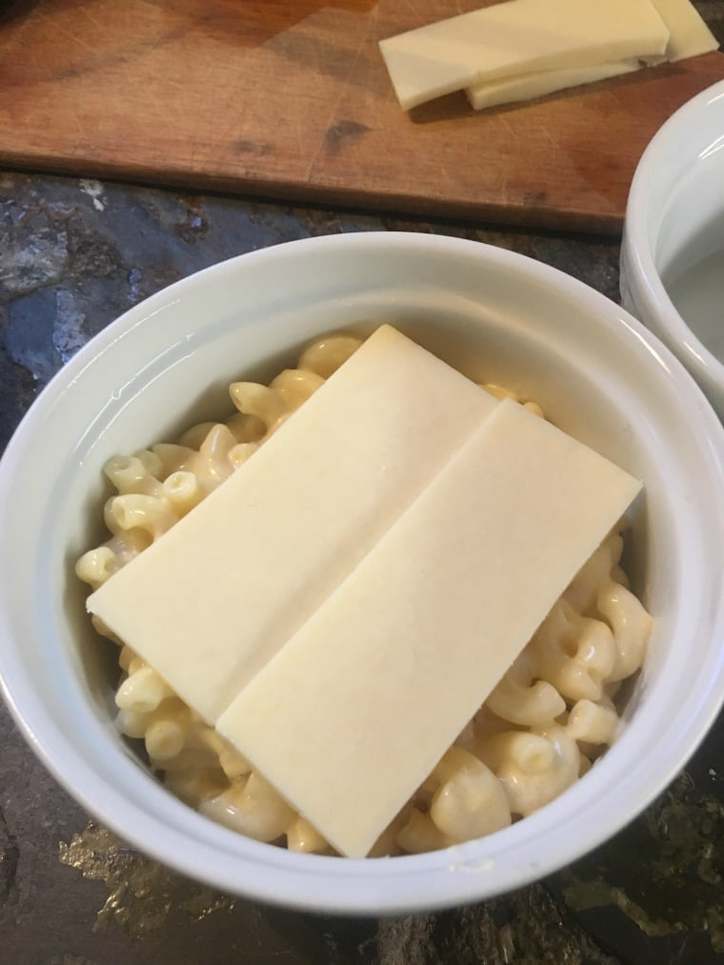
674,220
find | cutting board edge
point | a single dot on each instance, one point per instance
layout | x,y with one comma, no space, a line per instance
326,195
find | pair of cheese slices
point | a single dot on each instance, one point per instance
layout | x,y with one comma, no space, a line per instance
342,605
522,49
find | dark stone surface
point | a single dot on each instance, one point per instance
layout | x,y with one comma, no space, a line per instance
73,256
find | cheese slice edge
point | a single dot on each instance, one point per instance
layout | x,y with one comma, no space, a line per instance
529,86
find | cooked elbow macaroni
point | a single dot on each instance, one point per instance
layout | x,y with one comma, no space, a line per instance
534,736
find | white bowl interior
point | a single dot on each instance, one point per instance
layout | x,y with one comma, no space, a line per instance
495,316
691,220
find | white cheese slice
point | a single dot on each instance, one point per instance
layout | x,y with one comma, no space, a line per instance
528,86
214,598
519,37
690,36
355,711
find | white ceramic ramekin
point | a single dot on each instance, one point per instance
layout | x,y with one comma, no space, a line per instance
499,317
677,194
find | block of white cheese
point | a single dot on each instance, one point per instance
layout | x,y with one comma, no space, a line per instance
214,598
519,37
690,36
355,711
528,86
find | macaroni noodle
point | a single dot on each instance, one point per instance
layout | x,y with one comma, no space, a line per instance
592,723
469,802
302,837
523,699
575,654
419,834
533,767
537,733
253,807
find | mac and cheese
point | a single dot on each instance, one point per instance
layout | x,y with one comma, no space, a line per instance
537,733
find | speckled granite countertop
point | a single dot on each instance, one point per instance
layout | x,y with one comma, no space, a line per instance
73,256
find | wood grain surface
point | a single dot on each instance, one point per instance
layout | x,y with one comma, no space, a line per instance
290,99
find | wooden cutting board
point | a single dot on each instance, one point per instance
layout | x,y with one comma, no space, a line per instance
290,99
